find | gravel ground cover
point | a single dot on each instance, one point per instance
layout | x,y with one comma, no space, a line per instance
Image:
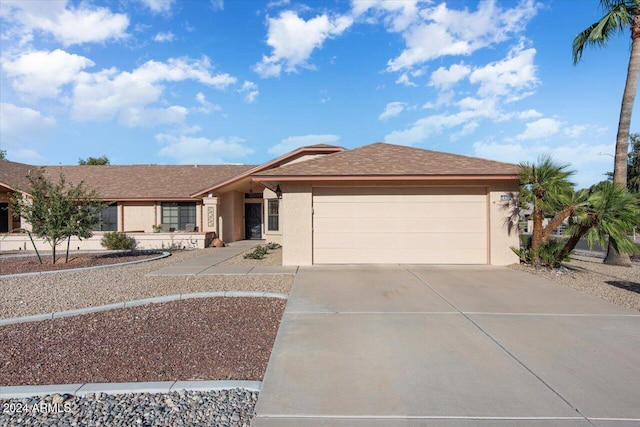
30,264
233,408
25,296
618,285
198,339
274,257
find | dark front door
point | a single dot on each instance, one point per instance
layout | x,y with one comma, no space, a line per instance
253,221
4,217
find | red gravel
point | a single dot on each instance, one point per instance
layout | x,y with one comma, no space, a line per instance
198,339
30,264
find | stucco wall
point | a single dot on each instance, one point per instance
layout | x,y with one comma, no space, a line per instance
271,236
138,216
232,213
296,216
504,227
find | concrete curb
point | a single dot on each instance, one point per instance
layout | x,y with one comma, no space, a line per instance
23,391
163,254
135,303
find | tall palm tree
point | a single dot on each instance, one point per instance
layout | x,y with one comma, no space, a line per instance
546,185
619,15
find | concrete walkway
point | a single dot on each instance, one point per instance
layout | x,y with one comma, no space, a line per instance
449,346
207,264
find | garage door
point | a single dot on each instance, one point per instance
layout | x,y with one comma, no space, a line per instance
400,225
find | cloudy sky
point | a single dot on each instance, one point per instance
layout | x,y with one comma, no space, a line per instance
213,81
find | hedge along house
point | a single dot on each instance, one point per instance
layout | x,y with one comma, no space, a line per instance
385,203
380,203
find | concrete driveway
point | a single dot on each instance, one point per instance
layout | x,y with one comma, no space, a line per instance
449,346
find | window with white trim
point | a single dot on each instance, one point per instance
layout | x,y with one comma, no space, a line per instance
273,215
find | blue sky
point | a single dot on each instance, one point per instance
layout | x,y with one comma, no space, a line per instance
212,81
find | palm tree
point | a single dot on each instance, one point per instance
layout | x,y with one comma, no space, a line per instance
546,184
619,15
610,211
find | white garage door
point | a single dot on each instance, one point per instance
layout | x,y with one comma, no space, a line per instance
370,225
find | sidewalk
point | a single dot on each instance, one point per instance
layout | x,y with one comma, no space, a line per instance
207,264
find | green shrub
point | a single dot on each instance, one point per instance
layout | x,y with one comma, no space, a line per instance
550,252
258,253
117,240
271,246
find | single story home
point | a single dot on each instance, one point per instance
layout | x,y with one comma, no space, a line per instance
380,203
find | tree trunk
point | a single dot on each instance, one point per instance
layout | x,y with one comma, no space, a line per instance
624,127
573,241
53,254
66,258
536,235
555,222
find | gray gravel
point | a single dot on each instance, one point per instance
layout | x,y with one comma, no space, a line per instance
618,285
181,408
25,296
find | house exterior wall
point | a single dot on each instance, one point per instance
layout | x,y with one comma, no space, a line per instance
296,213
138,216
271,235
232,216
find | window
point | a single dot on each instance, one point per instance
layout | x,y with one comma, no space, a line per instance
273,215
107,219
178,214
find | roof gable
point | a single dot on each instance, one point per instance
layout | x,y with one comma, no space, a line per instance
382,159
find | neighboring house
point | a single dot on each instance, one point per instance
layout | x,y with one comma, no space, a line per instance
379,203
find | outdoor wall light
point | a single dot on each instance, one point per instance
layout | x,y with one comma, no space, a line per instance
278,192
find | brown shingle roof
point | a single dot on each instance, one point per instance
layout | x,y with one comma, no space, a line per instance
121,182
15,174
381,159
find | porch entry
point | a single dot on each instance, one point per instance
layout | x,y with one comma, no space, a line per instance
253,221
4,217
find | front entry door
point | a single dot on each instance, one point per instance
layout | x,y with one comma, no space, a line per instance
253,221
4,217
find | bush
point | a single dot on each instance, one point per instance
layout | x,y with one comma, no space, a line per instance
271,246
550,252
258,253
116,240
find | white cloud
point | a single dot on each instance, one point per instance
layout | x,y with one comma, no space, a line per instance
21,125
250,89
293,40
294,142
392,110
41,73
529,114
397,15
437,31
509,76
167,36
444,78
158,6
205,106
67,24
575,131
109,93
541,128
217,5
405,80
200,150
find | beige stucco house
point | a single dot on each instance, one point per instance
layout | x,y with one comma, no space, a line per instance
380,203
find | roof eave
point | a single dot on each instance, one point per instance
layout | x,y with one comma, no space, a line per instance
297,178
267,165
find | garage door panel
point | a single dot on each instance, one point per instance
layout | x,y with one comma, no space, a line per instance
412,210
441,225
392,256
409,242
396,191
398,225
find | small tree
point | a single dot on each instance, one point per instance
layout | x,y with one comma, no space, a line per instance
3,154
94,161
57,211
